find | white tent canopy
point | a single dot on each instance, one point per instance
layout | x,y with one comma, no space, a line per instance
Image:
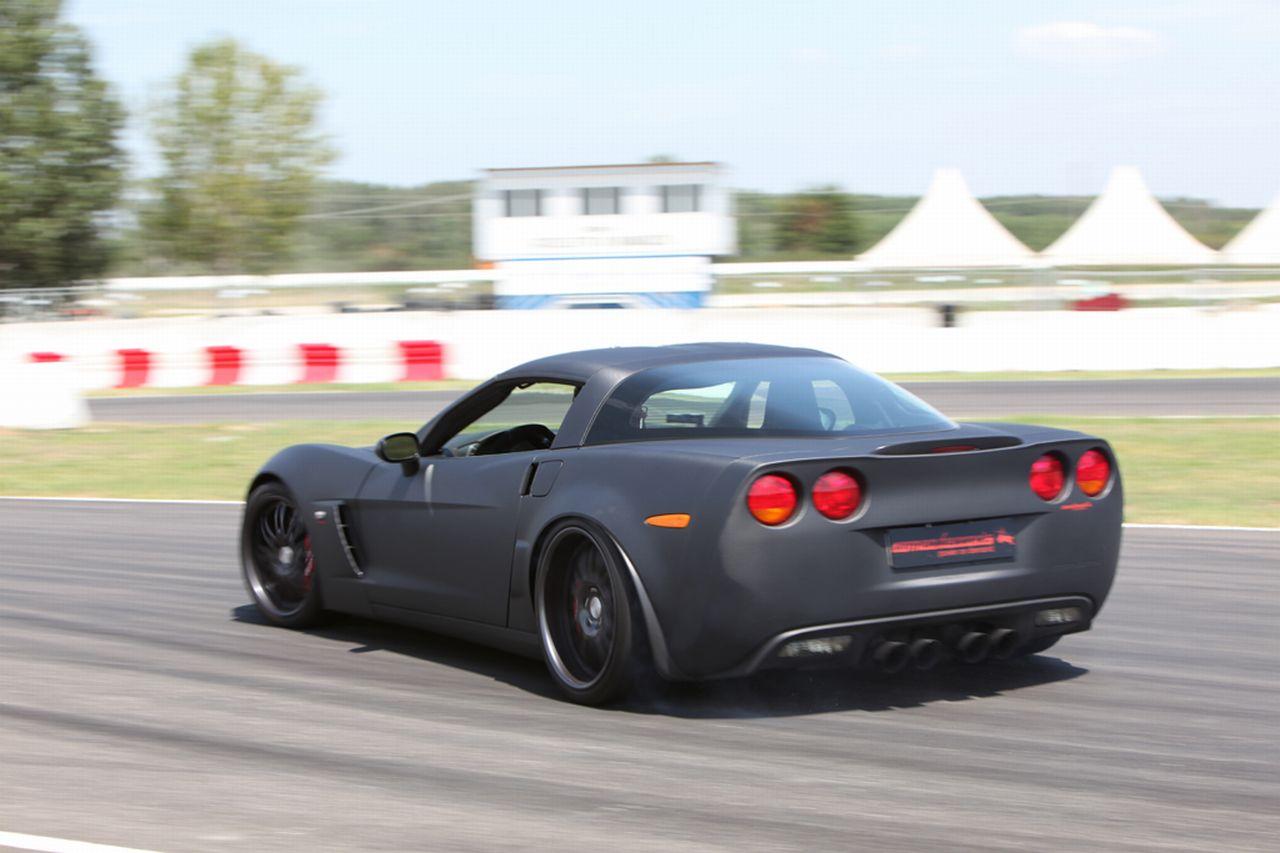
1259,241
1126,226
948,227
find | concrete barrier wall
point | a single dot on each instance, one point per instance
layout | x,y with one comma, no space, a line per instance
479,344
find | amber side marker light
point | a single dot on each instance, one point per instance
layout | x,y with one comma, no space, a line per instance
671,519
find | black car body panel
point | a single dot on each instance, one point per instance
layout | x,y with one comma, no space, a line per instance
453,546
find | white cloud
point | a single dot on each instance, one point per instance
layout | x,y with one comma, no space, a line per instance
1087,41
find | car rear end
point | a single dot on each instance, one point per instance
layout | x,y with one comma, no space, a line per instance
965,544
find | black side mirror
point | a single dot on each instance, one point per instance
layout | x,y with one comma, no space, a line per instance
400,447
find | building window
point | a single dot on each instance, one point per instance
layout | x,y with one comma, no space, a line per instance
681,198
522,202
601,201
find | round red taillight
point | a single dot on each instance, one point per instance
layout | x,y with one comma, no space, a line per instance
772,499
1048,476
1093,472
837,495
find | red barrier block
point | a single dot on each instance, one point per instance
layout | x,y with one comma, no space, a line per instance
225,364
45,357
135,367
1106,302
423,361
319,362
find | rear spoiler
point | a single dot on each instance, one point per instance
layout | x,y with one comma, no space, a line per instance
959,445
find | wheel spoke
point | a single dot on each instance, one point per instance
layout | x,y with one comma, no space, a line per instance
280,556
265,535
582,623
295,533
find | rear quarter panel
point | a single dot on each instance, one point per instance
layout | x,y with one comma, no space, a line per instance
726,584
617,487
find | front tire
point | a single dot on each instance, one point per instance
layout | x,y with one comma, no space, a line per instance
592,634
276,559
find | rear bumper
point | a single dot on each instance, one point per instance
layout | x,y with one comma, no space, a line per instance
944,625
757,584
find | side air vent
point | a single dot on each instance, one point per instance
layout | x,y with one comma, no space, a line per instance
959,445
344,536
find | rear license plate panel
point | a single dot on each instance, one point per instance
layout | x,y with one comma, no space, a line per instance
942,544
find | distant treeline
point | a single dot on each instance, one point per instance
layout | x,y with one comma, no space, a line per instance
360,227
1036,220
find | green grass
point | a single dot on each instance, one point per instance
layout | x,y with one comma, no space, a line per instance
1058,375
209,461
1192,471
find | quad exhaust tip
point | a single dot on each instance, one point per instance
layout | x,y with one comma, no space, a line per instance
926,653
974,647
892,656
1004,642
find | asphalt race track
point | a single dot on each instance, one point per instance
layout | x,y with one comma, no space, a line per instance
143,704
960,399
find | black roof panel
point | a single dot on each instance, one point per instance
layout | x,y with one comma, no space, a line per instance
584,364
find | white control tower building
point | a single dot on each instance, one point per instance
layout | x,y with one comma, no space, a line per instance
640,235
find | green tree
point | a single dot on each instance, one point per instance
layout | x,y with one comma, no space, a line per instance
60,165
241,154
820,220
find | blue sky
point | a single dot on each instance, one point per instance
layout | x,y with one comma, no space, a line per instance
1022,96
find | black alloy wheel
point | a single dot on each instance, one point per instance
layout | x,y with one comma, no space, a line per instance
278,561
591,633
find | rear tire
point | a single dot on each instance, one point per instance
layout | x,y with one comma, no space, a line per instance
276,559
593,636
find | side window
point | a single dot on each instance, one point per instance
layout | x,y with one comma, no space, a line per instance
682,408
522,203
681,198
601,201
755,411
833,406
543,404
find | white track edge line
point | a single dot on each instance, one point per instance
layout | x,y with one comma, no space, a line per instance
1224,527
1135,525
48,844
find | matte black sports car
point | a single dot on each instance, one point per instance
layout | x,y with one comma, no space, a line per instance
693,512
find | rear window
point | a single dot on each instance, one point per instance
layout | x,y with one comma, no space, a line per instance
758,397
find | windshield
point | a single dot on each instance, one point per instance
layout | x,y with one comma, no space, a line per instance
759,398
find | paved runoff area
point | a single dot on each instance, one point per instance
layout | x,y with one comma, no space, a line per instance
143,704
1238,396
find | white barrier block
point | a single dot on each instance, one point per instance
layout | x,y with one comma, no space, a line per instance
41,396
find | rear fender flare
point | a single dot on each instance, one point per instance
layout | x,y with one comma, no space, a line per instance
662,660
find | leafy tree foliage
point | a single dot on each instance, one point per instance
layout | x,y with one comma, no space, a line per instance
241,157
60,165
356,226
817,222
820,220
